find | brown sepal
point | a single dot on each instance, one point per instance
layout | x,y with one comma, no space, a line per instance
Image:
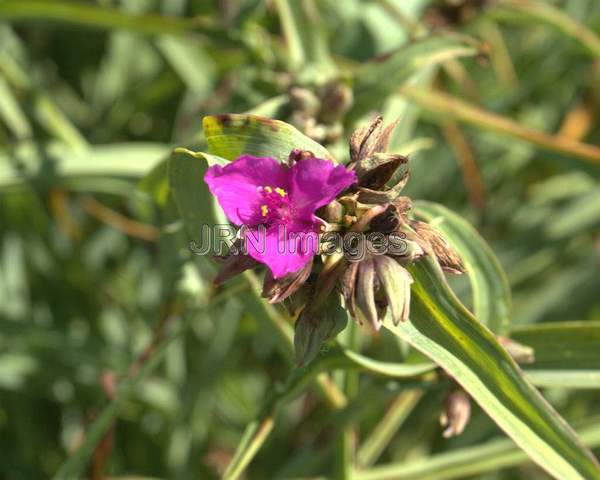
446,255
277,290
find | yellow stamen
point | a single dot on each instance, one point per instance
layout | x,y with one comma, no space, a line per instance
268,189
282,193
264,210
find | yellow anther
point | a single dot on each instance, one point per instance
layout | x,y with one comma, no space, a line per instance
268,189
282,193
264,210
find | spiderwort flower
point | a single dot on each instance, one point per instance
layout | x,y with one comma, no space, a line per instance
276,204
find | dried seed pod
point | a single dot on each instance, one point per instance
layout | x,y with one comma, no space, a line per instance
359,139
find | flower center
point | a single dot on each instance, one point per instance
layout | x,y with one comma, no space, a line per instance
275,205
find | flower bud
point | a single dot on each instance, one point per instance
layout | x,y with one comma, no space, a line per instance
315,325
298,154
456,414
304,101
296,302
395,282
366,286
336,100
333,212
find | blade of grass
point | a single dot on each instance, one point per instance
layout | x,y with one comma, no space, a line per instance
384,431
85,15
535,11
11,112
454,108
566,353
471,461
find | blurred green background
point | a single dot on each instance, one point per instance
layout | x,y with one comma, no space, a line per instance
97,285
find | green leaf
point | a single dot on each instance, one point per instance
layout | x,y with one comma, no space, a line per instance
194,201
376,80
466,462
232,135
491,291
11,112
443,329
119,159
566,353
76,13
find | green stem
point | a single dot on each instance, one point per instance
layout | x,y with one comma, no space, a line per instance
385,430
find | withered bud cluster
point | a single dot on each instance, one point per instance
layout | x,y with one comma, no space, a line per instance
378,283
318,111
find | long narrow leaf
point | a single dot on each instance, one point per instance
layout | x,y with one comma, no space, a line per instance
381,77
443,329
467,461
566,353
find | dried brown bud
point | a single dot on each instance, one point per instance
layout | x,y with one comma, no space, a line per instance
369,195
456,414
446,255
375,171
387,222
403,206
298,154
519,352
370,139
358,140
276,290
336,100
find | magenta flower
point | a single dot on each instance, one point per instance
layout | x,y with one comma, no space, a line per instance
277,205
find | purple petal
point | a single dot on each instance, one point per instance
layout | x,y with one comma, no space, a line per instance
235,186
283,248
315,182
